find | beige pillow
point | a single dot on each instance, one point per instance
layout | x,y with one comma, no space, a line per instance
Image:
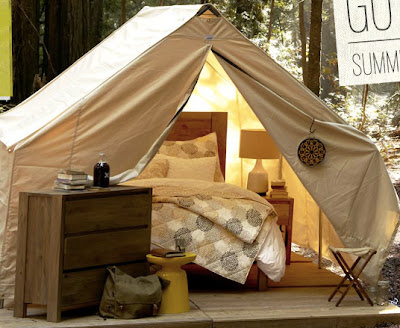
157,168
205,146
191,168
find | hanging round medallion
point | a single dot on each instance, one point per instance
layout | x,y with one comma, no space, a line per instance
311,151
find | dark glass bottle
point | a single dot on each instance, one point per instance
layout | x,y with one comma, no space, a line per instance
101,173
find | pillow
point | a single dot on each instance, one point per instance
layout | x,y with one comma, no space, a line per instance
157,168
202,168
205,146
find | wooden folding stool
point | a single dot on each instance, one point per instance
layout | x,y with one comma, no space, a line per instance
365,253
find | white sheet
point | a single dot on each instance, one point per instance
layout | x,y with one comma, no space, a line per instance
272,255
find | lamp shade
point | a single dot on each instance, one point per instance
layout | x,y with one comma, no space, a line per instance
257,144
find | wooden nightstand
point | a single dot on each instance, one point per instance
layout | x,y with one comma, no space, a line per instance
284,208
67,239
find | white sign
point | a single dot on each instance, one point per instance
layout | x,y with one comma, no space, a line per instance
368,41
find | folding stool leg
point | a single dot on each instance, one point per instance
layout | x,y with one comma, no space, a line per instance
347,276
351,275
341,282
355,277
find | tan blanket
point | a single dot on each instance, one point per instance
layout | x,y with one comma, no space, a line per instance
223,224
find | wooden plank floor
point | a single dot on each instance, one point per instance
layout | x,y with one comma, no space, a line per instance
303,273
290,307
294,307
300,273
85,319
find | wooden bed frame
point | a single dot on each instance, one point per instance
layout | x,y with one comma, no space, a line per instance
192,125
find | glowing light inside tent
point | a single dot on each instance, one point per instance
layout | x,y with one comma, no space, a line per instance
215,92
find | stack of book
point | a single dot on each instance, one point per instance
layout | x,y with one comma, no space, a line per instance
164,252
71,179
278,189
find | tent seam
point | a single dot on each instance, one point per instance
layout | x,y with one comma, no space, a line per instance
6,223
75,136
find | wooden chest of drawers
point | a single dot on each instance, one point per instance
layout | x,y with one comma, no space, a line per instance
67,239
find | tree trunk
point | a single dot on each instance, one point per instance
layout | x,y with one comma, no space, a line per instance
52,31
72,28
25,23
75,31
96,22
271,21
303,41
123,11
314,58
361,127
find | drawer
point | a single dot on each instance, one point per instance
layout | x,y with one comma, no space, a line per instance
87,286
108,247
283,213
104,213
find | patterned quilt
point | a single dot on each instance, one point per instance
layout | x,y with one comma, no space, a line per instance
223,224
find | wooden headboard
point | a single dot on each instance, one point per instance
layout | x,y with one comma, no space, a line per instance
192,125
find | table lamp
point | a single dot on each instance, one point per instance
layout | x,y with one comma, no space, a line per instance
257,144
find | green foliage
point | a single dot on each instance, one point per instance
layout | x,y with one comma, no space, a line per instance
247,16
113,8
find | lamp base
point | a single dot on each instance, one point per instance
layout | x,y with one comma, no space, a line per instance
258,179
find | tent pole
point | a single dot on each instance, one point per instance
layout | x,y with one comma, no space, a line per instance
280,167
320,240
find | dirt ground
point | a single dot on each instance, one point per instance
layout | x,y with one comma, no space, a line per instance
391,269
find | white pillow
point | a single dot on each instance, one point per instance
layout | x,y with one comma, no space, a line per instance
205,146
202,168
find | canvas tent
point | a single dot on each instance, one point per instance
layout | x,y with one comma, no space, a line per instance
121,97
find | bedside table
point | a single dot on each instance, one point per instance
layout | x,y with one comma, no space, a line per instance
284,208
66,239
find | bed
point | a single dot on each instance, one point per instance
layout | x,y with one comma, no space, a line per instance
228,227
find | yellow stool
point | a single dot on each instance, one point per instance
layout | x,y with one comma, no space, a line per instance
175,298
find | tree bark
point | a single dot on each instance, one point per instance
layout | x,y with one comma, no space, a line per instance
72,28
52,31
123,11
314,58
96,22
361,127
303,40
271,21
25,26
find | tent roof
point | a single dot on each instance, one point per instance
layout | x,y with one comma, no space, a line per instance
68,91
58,98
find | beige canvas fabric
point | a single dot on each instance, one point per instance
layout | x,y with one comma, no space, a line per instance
122,95
353,251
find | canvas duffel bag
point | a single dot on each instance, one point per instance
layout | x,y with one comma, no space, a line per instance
126,297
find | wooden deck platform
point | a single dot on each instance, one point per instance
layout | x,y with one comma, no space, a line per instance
294,307
278,307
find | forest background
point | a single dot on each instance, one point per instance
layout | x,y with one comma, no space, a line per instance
49,35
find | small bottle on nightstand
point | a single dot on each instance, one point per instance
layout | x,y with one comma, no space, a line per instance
101,173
